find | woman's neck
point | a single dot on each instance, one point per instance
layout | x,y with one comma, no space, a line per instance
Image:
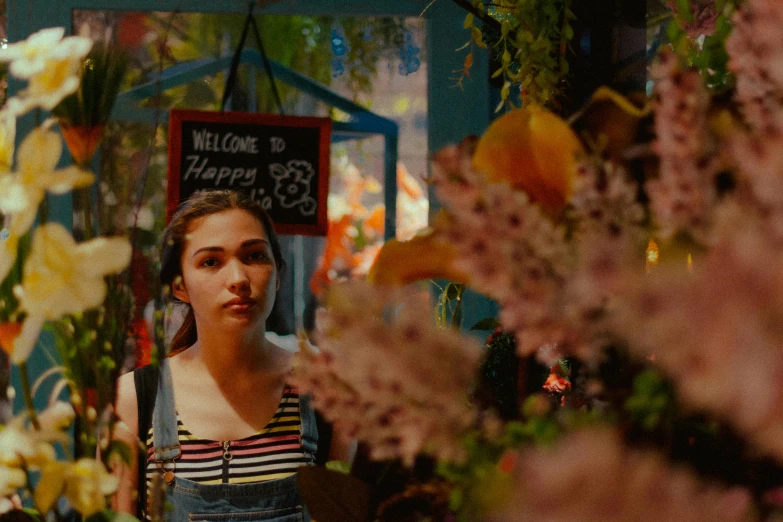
229,356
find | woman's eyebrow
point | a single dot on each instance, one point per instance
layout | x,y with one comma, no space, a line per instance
254,242
245,244
207,249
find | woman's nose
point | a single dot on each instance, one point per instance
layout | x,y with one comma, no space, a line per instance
237,276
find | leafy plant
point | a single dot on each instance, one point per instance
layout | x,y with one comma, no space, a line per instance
529,41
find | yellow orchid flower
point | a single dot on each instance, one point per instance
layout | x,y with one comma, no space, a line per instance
535,151
19,446
52,65
85,484
62,277
51,485
11,480
7,255
22,192
425,256
7,137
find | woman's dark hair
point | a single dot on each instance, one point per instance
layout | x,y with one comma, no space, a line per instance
201,204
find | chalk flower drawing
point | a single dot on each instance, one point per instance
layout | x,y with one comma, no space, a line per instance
292,185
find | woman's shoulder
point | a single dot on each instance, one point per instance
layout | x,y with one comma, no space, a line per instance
127,406
134,386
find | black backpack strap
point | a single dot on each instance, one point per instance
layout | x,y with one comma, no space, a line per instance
146,379
324,439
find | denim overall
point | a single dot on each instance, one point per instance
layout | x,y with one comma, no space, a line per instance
270,501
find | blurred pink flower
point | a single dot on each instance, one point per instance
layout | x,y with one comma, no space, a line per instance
754,57
590,476
683,194
513,252
385,375
551,290
718,332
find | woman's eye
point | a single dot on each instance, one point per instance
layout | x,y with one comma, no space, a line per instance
257,255
209,262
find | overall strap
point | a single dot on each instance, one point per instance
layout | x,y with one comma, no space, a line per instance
309,427
165,438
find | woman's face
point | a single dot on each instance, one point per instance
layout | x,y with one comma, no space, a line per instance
228,271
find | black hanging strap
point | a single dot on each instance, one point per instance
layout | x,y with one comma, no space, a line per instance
232,73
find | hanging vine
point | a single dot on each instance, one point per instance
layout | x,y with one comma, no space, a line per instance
529,41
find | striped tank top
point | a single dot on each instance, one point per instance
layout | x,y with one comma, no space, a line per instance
273,453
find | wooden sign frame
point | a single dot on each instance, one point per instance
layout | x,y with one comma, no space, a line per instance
178,116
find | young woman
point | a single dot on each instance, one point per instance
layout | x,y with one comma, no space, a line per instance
227,433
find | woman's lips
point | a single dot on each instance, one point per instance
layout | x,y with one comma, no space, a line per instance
240,305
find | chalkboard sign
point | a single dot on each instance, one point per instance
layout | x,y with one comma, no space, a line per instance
281,161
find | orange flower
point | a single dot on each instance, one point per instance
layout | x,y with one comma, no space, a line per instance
374,223
426,256
535,151
556,383
8,334
408,183
82,141
336,252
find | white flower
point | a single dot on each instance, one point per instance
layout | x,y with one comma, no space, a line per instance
51,63
56,417
29,57
62,277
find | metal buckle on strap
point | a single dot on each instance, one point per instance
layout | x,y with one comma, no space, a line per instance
168,474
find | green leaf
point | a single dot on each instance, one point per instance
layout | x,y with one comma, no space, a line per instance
673,32
498,72
488,323
339,466
505,27
456,498
468,21
122,450
504,92
33,514
475,33
684,10
453,291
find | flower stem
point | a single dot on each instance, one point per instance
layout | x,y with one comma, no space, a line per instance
43,210
28,396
